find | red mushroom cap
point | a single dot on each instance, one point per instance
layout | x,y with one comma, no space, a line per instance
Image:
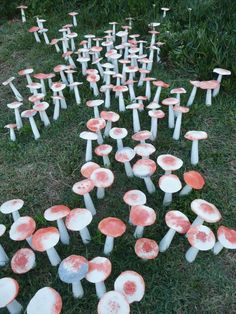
227,237
124,154
205,210
157,114
45,238
102,177
170,183
99,269
22,228
96,124
88,168
142,135
134,197
161,84
181,109
110,116
144,168
141,215
212,84
146,248
83,187
194,179
23,261
170,101
144,150
103,150
113,302
201,237
169,162
112,227
178,90
177,221
195,135
78,219
56,212
9,288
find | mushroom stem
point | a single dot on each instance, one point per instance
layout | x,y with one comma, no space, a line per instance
36,36
136,122
208,97
64,235
191,254
154,126
119,144
77,95
167,199
89,203
84,68
106,161
12,135
96,112
194,153
34,128
149,185
18,119
148,90
128,169
192,96
63,101
15,91
88,154
100,138
100,289
77,289
95,89
29,241
3,256
74,20
63,77
107,129
197,221
157,95
45,118
217,248
177,129
171,118
138,233
14,307
131,92
53,256
56,112
166,241
15,215
85,235
23,15
100,193
107,98
100,69
185,190
217,89
121,102
108,246
45,36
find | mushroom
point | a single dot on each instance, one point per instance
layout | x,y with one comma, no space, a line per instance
148,81
73,14
155,115
118,134
125,155
146,249
178,91
99,270
56,100
120,89
194,180
83,188
88,168
107,90
134,197
221,73
30,114
159,85
78,220
89,137
104,150
209,86
169,163
57,87
3,255
102,178
110,117
22,229
11,127
57,213
27,73
15,105
84,62
142,136
113,302
195,136
195,84
177,222
41,109
95,104
13,88
45,239
201,238
165,10
61,68
41,77
23,261
54,42
226,239
170,102
34,87
141,216
205,211
96,125
112,228
131,285
45,300
169,183
35,99
136,123
113,29
75,88
144,150
34,30
9,288
45,36
179,110
144,168
22,9
93,79
12,207
72,270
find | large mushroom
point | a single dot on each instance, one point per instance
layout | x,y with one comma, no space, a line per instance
102,178
9,288
195,136
22,229
83,188
41,109
205,211
145,168
226,239
194,180
169,183
141,216
95,104
12,207
169,163
23,261
146,249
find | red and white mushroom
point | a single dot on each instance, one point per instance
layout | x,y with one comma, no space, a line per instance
23,261
30,115
195,136
125,155
104,150
195,84
146,249
102,178
178,91
142,136
226,239
113,302
169,163
73,14
170,102
83,188
11,127
12,207
144,150
209,86
155,115
118,134
95,104
159,85
15,105
221,73
194,180
136,122
9,288
120,89
110,117
169,183
22,9
179,110
88,168
22,229
96,125
34,30
13,88
89,137
141,216
145,168
41,109
205,211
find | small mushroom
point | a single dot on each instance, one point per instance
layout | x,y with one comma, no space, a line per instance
33,87
30,115
72,270
165,10
125,155
102,178
169,163
3,255
22,229
45,36
84,63
177,222
159,85
89,137
12,207
88,168
112,228
179,110
104,150
99,270
170,102
83,188
34,30
93,79
107,90
110,118
141,216
178,91
205,211
73,14
169,183
113,302
42,77
95,104
194,180
195,136
201,238
136,122
145,168
61,68
11,127
23,261
13,88
144,150
16,105
58,87
22,9
133,198
120,89
96,125
142,136
155,115
118,134
26,72
226,239
195,84
209,86
9,288
148,81
75,88
57,100
221,73
41,109
146,249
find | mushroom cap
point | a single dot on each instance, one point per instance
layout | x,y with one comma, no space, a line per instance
124,154
144,150
102,177
195,135
57,86
11,206
134,197
178,90
88,135
56,212
146,248
45,238
142,135
157,114
40,76
103,150
41,106
118,133
10,126
134,106
73,268
222,71
212,84
149,79
205,210
194,179
23,261
113,302
99,269
120,88
177,221
28,113
34,85
107,65
37,97
110,116
181,109
169,162
161,84
33,29
83,59
73,13
60,67
201,237
96,124
22,228
170,101
112,227
83,187
131,285
88,168
46,300
170,183
94,103
14,105
78,219
144,168
93,78
154,105
22,7
25,71
195,83
141,215
104,88
2,229
227,237
9,288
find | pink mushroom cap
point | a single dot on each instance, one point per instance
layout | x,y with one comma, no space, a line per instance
146,248
177,221
141,215
112,227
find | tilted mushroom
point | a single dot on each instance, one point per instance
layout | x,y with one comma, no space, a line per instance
145,168
95,104
110,118
118,134
195,84
27,73
144,150
41,109
169,163
12,207
146,249
169,183
22,229
34,30
205,211
141,216
170,102
120,89
104,150
13,88
179,110
9,288
73,14
42,77
125,155
3,255
83,188
165,10
113,302
22,9
209,86
61,68
30,115
102,178
11,127
75,88
221,73
23,261
226,239
194,180
45,36
159,85
16,105
195,136
178,91
142,136
89,137
155,115
88,168
96,125
34,87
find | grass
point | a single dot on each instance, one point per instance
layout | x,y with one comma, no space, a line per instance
43,172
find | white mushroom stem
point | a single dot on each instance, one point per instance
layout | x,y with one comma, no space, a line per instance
29,241
63,77
72,42
100,69
194,153
28,78
95,89
166,241
191,254
121,102
14,307
149,185
84,68
45,118
107,129
148,90
142,76
138,233
128,169
167,199
15,91
185,190
131,92
100,138
77,289
177,129
85,235
18,118
192,96
154,126
119,144
36,36
56,112
53,256
108,246
100,289
157,95
107,98
57,47
63,101
218,247
88,154
77,95
45,36
136,122
158,55
149,66
34,128
217,89
64,235
12,134
106,161
198,221
100,193
171,117
89,203
23,15
3,256
15,215
74,20
208,97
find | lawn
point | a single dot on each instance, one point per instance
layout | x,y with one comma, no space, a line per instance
43,172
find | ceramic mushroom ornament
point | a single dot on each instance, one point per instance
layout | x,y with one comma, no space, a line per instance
89,137
141,216
226,239
12,207
194,180
84,188
9,288
22,229
195,136
146,249
169,183
102,178
23,261
113,302
169,163
125,155
205,211
145,168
